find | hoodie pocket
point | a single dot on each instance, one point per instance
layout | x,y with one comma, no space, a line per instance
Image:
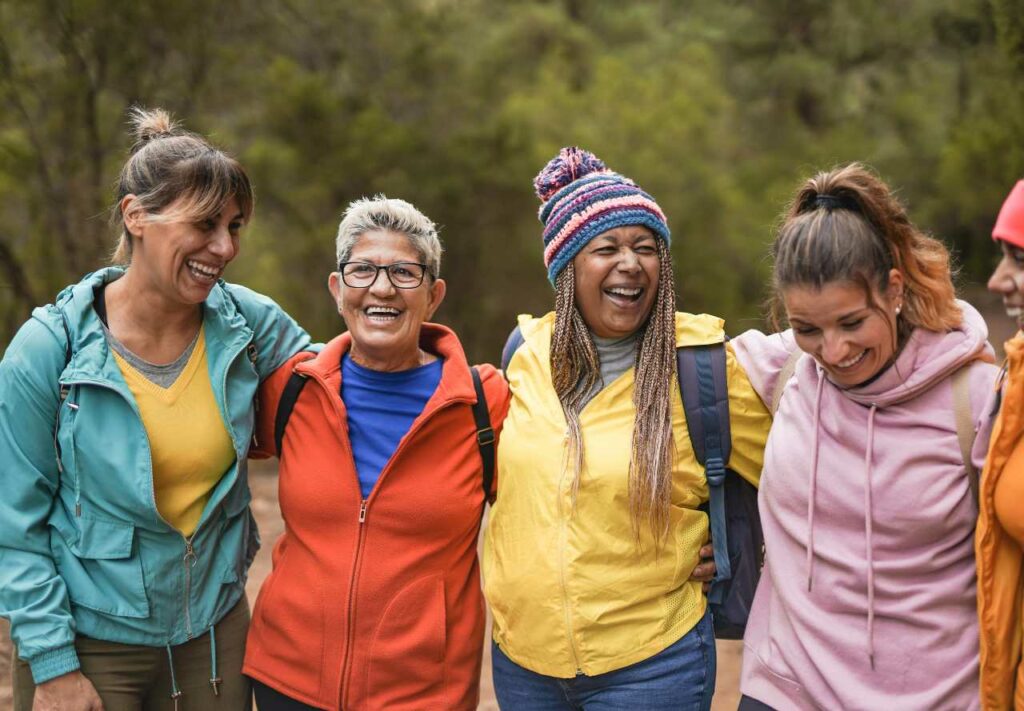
99,568
406,664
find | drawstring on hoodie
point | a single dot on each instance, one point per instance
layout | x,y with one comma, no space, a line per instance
176,693
868,513
868,533
215,680
813,484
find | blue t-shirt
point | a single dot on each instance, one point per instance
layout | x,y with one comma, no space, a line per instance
381,408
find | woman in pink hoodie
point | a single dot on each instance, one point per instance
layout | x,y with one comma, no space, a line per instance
867,598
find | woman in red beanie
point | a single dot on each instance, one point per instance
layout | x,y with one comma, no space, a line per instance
1000,532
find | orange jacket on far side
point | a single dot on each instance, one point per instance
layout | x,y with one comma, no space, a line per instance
999,555
375,604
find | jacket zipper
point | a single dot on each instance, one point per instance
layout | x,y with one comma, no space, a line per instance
347,667
189,560
364,504
565,601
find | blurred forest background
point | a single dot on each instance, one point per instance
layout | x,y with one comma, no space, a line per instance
718,109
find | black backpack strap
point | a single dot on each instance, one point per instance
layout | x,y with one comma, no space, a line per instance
285,406
515,339
705,393
484,433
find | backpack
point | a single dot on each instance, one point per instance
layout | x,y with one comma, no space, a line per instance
481,417
732,501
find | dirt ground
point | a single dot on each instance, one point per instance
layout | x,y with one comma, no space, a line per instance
264,484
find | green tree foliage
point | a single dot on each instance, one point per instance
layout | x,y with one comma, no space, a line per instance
717,109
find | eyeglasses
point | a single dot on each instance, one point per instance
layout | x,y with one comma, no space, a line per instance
402,275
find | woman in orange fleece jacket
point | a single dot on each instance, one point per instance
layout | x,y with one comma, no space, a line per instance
374,601
1000,533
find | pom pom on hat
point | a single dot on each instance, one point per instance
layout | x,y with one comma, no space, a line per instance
570,164
1010,223
583,199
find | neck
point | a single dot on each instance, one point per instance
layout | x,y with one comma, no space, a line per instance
136,310
390,362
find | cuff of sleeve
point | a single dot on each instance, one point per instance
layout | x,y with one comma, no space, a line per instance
54,663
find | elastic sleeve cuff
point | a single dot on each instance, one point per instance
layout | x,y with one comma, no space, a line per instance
54,663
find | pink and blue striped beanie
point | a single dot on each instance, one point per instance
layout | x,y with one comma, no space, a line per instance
583,199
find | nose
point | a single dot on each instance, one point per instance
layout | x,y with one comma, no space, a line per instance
834,349
1003,279
223,245
381,284
628,261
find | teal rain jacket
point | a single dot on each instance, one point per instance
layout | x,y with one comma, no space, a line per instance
82,546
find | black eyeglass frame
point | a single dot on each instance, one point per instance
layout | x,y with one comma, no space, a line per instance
387,273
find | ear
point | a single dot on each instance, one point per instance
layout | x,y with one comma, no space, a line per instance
335,286
894,292
133,215
437,291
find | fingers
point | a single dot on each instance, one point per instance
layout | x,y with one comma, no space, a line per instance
707,551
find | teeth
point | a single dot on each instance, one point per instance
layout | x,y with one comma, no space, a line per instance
1014,311
852,361
622,291
203,268
379,311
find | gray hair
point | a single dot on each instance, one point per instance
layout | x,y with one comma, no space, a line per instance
384,213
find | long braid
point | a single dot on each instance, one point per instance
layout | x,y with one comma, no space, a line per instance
575,369
650,465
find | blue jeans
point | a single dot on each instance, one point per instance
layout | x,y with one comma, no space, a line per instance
679,678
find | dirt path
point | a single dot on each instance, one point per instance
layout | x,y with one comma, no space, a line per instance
264,485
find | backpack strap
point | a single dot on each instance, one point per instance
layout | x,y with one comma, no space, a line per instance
484,432
285,406
705,393
515,339
784,375
965,425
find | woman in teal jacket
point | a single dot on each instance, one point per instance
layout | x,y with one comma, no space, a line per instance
126,412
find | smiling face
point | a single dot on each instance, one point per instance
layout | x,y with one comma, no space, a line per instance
1008,280
385,321
183,260
617,280
838,326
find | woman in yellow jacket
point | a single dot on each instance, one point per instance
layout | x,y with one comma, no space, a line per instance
1000,533
597,526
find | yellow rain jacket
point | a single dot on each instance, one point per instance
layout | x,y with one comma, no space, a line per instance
999,555
570,590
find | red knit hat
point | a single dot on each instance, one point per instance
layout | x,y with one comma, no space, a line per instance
1010,223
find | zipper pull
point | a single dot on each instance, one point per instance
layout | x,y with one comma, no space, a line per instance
362,511
190,554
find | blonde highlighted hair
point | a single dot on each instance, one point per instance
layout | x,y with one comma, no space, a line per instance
845,225
169,165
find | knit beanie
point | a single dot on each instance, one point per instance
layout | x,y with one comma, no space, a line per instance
582,199
1010,223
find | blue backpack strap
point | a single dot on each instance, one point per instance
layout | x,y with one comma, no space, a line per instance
484,433
515,339
705,394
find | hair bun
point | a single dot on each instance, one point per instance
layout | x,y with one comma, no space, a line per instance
149,124
571,163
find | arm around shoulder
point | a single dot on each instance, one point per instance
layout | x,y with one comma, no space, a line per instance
276,334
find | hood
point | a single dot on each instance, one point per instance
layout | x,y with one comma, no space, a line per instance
927,358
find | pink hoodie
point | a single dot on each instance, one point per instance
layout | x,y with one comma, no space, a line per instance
867,598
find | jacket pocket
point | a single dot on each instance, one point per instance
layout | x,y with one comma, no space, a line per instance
99,568
406,667
239,537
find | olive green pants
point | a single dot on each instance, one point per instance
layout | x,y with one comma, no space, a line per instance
131,677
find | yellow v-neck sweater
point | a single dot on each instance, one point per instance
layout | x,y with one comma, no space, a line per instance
190,446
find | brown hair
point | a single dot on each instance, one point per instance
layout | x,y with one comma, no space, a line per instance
168,164
575,369
846,225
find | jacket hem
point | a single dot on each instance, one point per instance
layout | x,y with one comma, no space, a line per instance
610,664
53,663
